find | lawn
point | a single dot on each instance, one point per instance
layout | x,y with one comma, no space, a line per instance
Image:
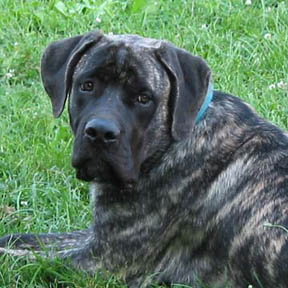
244,42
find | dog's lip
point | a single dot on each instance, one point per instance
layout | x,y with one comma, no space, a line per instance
104,170
82,169
81,174
78,163
87,174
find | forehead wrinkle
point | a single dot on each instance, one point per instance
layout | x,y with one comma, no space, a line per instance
95,58
125,60
136,41
121,59
152,72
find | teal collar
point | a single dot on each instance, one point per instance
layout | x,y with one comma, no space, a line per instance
205,104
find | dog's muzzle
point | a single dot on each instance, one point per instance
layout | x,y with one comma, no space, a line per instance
96,152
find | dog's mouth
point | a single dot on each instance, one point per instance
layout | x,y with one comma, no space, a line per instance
89,171
84,174
106,171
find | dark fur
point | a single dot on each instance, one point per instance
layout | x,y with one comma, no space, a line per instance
175,200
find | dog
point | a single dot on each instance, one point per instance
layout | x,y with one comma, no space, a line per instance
189,185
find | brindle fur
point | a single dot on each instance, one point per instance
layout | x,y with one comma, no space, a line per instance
199,205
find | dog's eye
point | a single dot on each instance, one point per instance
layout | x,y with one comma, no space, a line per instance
143,99
87,86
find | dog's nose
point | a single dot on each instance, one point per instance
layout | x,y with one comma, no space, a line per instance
102,130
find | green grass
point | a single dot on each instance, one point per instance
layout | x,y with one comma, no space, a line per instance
246,46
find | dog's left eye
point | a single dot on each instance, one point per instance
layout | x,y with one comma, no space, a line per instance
143,99
87,86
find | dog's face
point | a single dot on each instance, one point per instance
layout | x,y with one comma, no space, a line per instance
118,104
129,98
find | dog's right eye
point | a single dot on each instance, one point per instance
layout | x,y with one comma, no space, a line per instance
87,86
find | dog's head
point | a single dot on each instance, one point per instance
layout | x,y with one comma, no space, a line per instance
129,98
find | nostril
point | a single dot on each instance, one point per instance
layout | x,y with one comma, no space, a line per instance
110,136
92,132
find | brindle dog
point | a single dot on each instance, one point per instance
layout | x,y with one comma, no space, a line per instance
177,195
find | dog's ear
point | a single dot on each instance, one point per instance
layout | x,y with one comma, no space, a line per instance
58,63
190,77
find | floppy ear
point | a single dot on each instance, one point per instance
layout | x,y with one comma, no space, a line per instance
58,63
189,76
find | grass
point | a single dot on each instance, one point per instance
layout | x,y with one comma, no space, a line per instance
246,46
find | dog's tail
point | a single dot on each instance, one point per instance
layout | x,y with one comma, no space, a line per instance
50,244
